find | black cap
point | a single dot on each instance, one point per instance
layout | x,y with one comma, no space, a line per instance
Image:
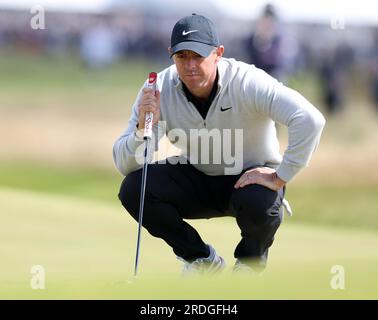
196,33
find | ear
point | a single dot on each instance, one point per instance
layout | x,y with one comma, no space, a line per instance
169,51
219,51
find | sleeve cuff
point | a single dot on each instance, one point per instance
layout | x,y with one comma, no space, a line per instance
135,140
287,172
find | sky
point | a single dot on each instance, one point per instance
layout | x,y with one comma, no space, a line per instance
80,5
351,11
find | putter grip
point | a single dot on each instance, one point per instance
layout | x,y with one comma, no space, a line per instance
148,121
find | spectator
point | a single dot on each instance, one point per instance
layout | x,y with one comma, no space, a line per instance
263,46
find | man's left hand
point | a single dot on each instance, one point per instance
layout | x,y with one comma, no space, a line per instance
264,176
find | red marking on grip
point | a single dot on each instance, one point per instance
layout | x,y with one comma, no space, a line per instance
152,77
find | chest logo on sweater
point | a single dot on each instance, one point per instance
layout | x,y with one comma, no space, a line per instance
225,108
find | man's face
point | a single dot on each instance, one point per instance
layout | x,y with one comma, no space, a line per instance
195,71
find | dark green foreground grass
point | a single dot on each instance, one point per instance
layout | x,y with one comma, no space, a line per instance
87,249
348,205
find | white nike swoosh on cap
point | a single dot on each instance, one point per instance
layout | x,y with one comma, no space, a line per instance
184,33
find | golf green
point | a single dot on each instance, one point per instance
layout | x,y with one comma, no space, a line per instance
87,251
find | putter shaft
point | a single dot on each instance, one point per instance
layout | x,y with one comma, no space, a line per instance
141,203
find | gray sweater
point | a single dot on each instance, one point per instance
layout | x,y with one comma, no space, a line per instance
239,129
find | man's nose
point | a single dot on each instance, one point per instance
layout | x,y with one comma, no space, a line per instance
190,63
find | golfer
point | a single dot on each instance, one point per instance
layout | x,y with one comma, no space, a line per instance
221,114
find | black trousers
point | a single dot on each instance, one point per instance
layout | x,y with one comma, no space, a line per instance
177,192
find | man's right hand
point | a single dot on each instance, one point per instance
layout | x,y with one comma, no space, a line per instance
150,102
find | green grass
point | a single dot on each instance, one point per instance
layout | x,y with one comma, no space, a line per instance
29,71
38,82
91,183
349,205
87,248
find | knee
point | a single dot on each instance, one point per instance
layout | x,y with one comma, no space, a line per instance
256,203
155,213
129,193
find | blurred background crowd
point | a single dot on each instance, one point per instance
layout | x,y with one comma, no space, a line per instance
334,50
